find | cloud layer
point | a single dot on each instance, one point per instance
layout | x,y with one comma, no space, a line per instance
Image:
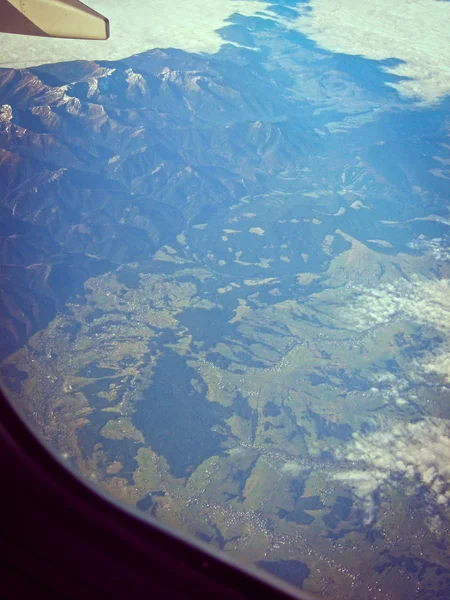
416,32
136,26
413,32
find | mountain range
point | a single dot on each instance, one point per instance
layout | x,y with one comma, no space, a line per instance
101,163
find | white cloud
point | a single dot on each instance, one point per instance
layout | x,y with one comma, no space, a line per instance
419,300
439,362
413,455
256,230
396,389
439,248
136,26
414,31
291,468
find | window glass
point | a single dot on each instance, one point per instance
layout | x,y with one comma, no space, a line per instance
225,273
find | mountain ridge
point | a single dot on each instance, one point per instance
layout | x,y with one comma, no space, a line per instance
106,163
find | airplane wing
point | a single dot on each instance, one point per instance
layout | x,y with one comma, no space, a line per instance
53,18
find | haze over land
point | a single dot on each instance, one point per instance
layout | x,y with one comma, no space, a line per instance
226,298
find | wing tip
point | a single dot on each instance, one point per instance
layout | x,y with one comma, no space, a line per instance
107,29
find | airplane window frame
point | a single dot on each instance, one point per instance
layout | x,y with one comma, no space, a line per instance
58,527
